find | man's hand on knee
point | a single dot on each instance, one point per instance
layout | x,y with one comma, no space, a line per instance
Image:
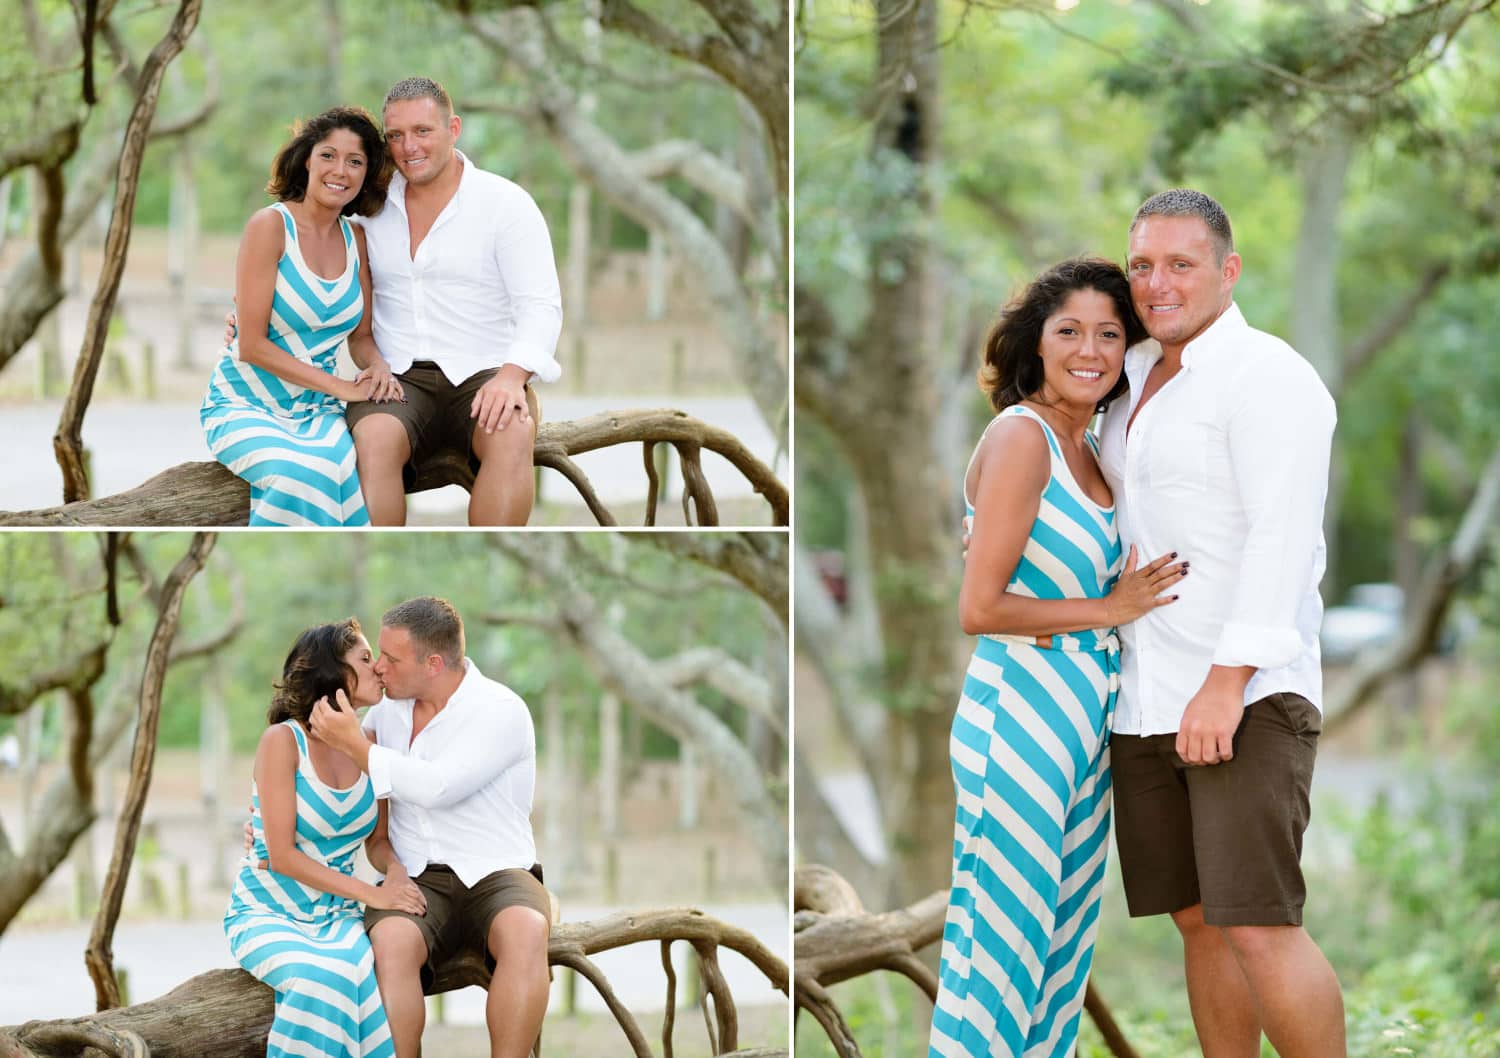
502,400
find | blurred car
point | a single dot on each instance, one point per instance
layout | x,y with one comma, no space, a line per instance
1371,618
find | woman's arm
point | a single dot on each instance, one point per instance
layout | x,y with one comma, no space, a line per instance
276,784
255,267
362,348
1011,471
378,849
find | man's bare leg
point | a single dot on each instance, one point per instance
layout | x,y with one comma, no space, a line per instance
1224,1011
518,990
1295,989
400,951
505,487
381,449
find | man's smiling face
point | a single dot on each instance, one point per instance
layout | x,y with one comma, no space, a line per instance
1176,278
420,138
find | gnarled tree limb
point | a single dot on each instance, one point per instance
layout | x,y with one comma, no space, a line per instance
99,955
207,494
1424,621
836,939
227,1013
68,441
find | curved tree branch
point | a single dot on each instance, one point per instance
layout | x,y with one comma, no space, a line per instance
756,560
207,494
99,955
515,36
625,669
1440,583
836,940
227,1013
68,441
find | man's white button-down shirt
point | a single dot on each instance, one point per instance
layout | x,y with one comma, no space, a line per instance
461,792
1227,465
482,290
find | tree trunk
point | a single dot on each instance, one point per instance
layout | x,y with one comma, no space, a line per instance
609,764
887,387
687,786
1324,169
51,373
67,442
100,955
182,249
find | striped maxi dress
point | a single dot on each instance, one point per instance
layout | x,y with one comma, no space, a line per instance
291,444
1031,772
308,945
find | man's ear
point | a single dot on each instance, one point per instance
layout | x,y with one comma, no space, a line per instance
1231,271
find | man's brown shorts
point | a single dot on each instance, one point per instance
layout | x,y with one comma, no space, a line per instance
1228,836
435,413
458,918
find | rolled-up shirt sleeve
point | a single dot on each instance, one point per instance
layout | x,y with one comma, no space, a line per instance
523,255
494,740
1280,436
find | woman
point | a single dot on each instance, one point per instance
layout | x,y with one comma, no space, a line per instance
274,412
1042,589
294,919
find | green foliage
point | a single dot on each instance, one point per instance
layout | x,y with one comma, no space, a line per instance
289,581
274,64
1293,67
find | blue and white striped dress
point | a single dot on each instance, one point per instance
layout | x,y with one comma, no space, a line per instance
310,946
291,443
1031,772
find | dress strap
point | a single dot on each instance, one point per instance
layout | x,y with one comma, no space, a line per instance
299,735
1005,413
1022,410
286,219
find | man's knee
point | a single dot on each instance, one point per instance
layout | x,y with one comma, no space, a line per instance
1189,922
399,946
1253,943
381,439
510,446
518,932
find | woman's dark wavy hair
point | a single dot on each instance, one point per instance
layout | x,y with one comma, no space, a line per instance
1012,368
314,669
289,170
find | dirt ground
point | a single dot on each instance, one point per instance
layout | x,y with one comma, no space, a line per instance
598,1035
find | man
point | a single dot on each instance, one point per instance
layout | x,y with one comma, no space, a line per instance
1220,451
467,314
454,758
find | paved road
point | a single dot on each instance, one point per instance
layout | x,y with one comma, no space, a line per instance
42,973
131,441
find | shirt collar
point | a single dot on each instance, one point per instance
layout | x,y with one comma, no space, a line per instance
1219,336
466,686
396,190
